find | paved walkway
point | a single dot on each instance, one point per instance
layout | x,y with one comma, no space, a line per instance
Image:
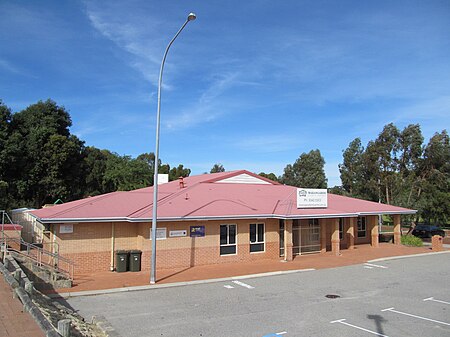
361,254
13,321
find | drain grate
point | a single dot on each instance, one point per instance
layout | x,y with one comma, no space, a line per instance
332,296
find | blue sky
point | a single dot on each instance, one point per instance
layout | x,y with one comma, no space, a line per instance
249,84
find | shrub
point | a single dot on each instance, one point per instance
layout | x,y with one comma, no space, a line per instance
411,240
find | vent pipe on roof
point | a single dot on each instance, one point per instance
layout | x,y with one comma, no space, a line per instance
181,181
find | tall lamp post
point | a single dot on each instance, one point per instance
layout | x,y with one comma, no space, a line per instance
190,17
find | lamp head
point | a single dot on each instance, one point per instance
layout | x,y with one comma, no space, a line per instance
191,17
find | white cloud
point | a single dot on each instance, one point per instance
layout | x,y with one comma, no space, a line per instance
210,105
131,33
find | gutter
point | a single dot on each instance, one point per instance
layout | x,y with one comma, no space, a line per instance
224,217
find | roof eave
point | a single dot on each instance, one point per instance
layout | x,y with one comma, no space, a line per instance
224,217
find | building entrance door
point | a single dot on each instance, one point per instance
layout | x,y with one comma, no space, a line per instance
306,236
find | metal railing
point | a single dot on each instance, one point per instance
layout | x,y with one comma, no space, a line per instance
39,255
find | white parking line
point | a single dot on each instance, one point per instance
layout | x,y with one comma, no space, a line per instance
228,286
357,327
415,316
242,284
368,267
375,265
275,334
432,299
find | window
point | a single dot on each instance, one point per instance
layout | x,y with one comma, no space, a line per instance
361,227
256,237
314,230
281,233
227,239
341,228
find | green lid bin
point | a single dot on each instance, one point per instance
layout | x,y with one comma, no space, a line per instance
121,261
135,260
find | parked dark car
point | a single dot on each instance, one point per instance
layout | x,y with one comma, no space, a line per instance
425,231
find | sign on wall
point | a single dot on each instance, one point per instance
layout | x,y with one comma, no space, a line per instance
174,234
161,233
66,229
312,198
197,231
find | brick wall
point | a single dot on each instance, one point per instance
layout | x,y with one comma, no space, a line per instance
90,244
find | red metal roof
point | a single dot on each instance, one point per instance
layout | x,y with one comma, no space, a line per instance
10,227
208,196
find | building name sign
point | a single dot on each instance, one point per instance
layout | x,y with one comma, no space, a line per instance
312,198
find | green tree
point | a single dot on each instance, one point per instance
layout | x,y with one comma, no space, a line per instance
95,164
5,158
434,192
124,173
270,176
37,156
352,170
217,168
179,171
307,171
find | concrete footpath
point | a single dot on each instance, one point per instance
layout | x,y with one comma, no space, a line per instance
14,321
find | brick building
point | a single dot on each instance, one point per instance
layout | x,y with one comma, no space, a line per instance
211,219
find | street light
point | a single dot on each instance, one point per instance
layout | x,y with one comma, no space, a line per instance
190,17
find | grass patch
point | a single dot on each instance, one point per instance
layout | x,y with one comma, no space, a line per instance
411,240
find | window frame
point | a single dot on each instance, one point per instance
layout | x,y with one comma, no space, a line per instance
341,228
228,244
314,230
360,224
258,241
281,236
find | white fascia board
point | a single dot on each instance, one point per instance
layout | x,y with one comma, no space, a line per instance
413,211
224,217
80,220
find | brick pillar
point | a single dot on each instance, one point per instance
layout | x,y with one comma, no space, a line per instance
335,242
323,235
288,240
351,233
437,243
397,229
373,219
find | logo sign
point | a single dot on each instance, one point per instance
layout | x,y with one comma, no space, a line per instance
179,233
312,198
197,231
66,229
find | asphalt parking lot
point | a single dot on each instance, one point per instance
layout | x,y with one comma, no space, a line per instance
401,297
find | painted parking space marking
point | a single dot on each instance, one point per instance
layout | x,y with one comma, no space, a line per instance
342,321
368,267
375,265
275,334
242,284
415,316
228,286
434,300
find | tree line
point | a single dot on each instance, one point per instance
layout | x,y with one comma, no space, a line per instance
397,168
41,161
